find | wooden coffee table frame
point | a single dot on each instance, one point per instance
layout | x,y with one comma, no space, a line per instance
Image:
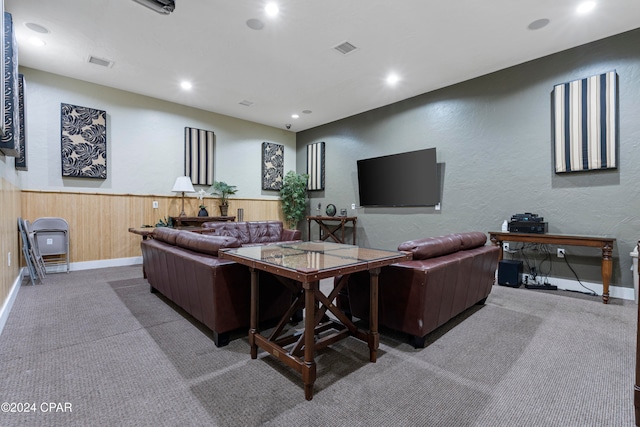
305,285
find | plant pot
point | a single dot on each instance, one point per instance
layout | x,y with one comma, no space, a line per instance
203,212
224,209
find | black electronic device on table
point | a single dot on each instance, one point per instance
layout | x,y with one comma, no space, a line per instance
527,223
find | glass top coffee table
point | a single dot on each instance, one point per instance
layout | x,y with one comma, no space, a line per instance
300,266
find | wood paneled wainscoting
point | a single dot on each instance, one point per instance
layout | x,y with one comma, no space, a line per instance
9,213
99,223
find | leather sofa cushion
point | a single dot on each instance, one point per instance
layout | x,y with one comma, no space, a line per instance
237,230
206,244
472,240
166,234
250,232
265,231
431,247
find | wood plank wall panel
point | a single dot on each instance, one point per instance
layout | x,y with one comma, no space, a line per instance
9,213
98,223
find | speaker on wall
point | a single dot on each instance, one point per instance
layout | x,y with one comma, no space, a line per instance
510,272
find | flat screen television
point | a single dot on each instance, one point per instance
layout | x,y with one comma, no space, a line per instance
405,179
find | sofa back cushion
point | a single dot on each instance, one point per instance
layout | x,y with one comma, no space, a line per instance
247,232
206,244
472,240
237,230
166,234
265,231
431,247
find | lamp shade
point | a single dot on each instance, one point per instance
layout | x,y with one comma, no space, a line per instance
183,183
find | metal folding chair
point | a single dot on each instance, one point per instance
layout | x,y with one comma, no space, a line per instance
26,252
51,235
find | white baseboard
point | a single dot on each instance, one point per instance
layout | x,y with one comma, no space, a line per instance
91,265
574,285
8,303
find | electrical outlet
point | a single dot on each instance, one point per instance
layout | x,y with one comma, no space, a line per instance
437,207
49,241
353,205
560,253
155,204
505,246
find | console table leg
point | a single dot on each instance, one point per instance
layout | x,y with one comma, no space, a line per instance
607,267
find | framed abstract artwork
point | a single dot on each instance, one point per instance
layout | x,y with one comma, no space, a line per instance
585,123
21,160
198,155
2,56
84,142
272,166
11,128
315,166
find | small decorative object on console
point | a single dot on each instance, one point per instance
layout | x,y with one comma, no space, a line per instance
331,210
343,212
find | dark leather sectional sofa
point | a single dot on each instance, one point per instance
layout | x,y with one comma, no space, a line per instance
447,275
184,267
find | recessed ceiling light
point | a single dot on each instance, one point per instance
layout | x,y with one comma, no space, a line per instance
587,6
392,79
307,111
186,85
36,27
294,116
539,23
271,9
36,41
255,24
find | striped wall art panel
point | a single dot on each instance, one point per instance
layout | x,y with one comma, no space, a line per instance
585,118
198,155
315,166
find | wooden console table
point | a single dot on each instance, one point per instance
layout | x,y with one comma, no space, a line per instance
179,221
604,243
330,230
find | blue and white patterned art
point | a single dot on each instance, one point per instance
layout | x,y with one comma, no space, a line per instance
585,123
84,142
272,166
10,139
21,159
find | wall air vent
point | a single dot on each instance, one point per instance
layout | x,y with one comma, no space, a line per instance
345,48
100,61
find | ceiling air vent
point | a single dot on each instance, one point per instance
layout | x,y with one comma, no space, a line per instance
246,103
163,7
99,61
345,48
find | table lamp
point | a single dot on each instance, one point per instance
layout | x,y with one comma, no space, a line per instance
183,185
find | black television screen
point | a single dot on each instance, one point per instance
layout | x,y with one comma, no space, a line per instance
405,179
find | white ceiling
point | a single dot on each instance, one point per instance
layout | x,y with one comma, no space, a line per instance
291,65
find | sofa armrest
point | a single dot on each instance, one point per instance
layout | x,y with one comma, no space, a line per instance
289,235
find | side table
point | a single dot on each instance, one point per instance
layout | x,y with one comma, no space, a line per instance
329,230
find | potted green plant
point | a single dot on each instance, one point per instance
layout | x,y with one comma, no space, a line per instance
293,197
224,190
